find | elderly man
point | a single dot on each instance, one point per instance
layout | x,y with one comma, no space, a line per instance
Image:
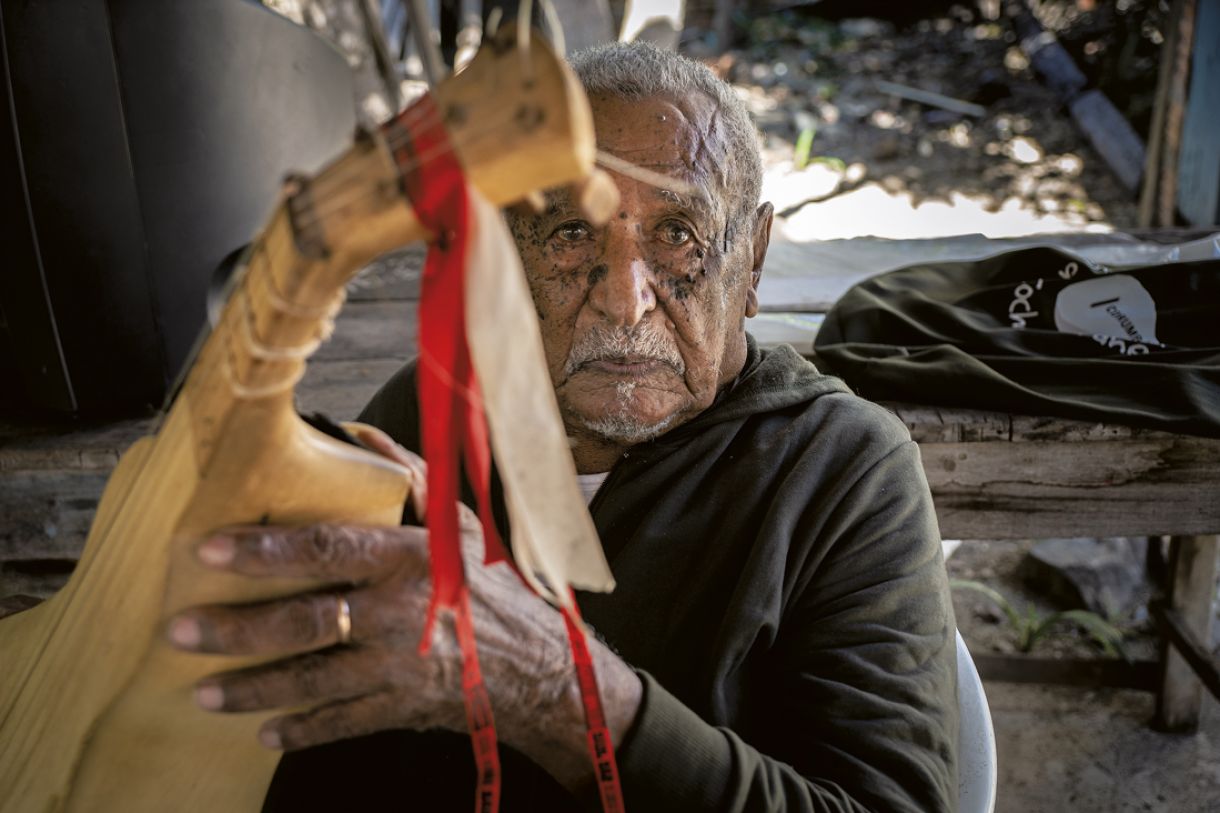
781,636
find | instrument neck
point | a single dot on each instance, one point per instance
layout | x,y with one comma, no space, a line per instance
290,286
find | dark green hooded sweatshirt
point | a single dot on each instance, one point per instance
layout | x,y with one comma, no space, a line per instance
782,593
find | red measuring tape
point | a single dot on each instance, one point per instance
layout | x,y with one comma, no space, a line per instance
454,425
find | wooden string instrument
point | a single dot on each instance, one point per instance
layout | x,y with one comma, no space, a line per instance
95,710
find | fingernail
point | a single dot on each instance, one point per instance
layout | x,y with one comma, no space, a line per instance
210,697
185,632
217,551
270,738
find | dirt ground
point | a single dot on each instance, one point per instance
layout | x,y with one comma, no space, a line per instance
1068,750
1071,749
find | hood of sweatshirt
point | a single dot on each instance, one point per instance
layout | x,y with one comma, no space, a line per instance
771,380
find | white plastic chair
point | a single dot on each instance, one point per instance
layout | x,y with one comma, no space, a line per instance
976,761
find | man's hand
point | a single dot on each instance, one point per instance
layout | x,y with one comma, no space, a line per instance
377,680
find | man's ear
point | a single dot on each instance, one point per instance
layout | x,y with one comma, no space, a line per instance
762,238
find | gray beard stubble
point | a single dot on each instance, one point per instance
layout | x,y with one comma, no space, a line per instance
612,344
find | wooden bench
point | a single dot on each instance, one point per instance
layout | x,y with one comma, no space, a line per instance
999,476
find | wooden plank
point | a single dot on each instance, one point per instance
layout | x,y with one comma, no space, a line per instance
392,276
372,330
1199,159
1175,113
930,424
1156,130
1093,672
46,514
1044,428
340,389
68,444
1038,490
44,519
1204,664
1192,568
927,97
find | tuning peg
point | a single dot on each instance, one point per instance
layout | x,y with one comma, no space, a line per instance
596,196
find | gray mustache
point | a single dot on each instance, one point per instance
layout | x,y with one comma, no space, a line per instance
611,344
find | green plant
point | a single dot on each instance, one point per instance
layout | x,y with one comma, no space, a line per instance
804,143
1030,626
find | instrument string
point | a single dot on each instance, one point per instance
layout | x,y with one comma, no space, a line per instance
251,392
259,349
282,304
431,362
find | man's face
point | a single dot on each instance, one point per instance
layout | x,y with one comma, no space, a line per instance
643,318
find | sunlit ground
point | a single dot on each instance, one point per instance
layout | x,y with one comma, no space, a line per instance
846,156
1022,190
871,210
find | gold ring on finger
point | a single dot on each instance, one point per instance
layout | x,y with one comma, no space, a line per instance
344,620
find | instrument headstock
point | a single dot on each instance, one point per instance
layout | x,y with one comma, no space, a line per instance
516,117
518,122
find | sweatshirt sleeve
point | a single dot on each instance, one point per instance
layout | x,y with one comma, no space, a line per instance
861,708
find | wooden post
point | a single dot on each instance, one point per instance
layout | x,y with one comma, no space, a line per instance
1156,130
722,24
1199,159
386,66
429,50
1192,585
1175,114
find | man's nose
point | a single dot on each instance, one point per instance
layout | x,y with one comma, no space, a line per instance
622,290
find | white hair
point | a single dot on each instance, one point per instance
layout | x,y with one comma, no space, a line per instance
639,70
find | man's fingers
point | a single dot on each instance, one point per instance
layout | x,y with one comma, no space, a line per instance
336,674
384,445
378,441
326,552
335,721
298,623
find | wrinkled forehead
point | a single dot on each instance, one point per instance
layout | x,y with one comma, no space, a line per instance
680,137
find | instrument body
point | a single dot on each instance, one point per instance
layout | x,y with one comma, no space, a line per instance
96,710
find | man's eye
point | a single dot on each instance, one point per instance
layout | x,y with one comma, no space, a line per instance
675,233
572,232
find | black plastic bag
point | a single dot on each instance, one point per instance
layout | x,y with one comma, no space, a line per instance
1037,331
